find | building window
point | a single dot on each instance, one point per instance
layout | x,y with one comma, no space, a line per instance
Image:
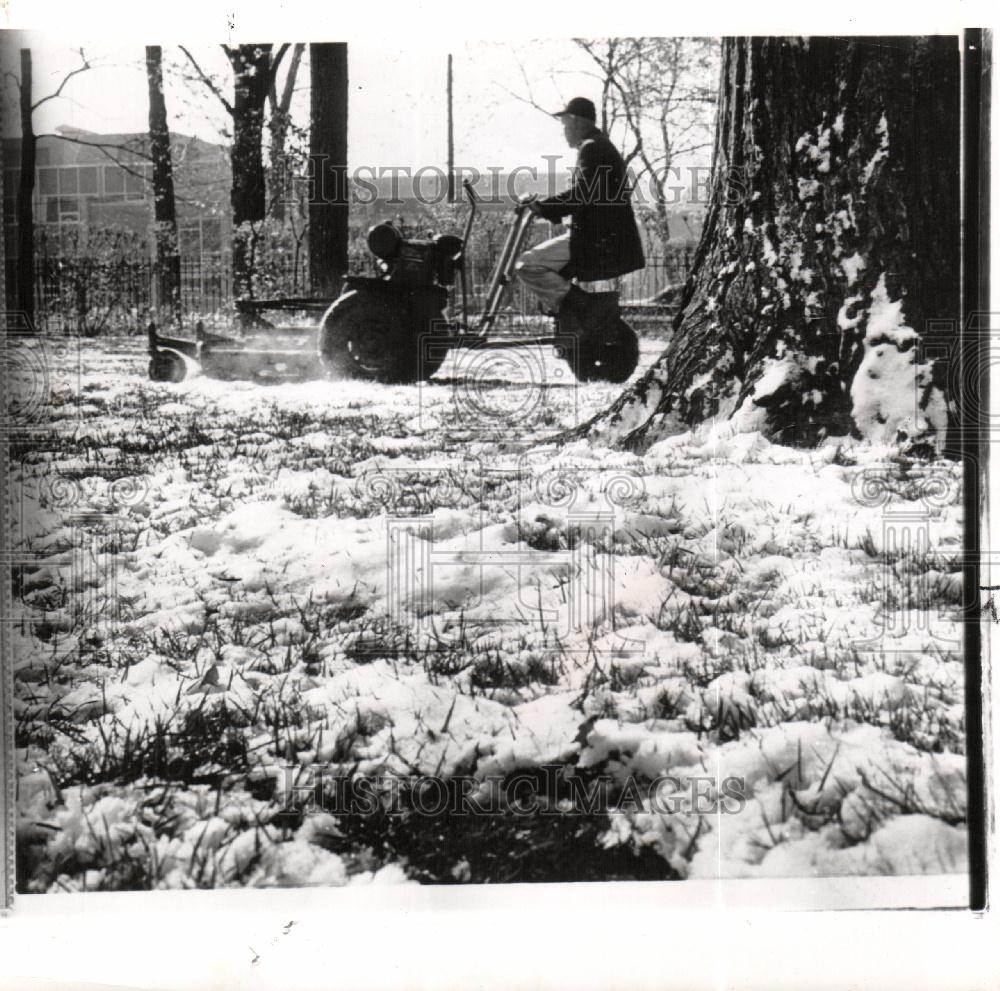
135,185
48,182
114,180
69,181
69,209
89,185
11,184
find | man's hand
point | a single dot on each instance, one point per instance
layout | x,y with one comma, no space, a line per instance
530,200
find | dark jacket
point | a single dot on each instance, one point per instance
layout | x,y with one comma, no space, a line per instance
604,241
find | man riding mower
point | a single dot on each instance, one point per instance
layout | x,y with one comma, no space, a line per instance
396,328
603,241
364,332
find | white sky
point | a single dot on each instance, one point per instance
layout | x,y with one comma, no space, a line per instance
397,99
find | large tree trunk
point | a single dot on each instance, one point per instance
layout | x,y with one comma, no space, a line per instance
328,204
168,259
25,196
831,239
252,70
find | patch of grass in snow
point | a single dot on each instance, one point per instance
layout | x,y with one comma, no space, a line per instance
497,669
555,837
128,839
927,591
920,718
203,743
410,493
205,737
455,654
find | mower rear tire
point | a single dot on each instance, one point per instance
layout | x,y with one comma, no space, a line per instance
606,356
366,336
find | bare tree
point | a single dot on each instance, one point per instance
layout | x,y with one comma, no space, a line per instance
25,289
254,68
168,259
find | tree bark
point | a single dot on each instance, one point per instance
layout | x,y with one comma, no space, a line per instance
328,204
168,259
252,70
280,119
25,293
830,244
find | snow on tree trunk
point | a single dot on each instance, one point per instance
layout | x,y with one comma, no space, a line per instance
168,259
830,240
329,203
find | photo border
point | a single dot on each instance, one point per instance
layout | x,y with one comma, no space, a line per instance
979,690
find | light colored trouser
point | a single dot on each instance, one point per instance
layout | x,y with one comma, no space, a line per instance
538,268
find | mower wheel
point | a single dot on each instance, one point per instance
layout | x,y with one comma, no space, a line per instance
167,366
366,336
607,356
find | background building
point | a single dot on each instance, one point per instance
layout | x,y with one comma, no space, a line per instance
86,181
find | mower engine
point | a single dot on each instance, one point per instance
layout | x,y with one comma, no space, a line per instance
414,262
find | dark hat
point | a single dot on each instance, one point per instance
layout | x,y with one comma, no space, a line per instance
579,106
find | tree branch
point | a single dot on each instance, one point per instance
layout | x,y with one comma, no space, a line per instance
103,149
687,149
276,61
208,81
281,106
529,100
293,71
98,144
69,75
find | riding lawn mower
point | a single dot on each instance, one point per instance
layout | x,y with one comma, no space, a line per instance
394,328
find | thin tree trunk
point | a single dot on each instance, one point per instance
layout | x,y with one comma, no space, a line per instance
328,206
168,259
280,118
25,196
830,243
252,69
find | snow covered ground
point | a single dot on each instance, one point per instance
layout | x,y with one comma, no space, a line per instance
750,654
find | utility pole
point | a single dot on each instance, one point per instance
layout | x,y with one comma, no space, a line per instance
451,139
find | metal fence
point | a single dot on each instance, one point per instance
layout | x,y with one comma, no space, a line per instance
206,285
89,295
74,293
85,295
